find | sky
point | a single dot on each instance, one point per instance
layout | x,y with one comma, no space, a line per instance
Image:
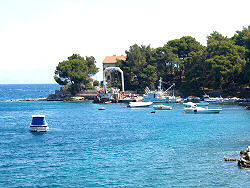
35,35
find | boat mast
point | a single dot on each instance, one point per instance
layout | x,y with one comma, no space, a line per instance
159,87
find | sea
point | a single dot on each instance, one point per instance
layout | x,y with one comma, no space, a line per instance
118,146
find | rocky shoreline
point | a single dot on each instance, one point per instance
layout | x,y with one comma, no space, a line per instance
60,95
63,95
244,159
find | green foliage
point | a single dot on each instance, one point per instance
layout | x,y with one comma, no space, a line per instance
138,68
75,72
242,38
96,83
182,49
194,77
224,61
223,64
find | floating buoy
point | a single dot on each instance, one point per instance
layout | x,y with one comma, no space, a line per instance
124,106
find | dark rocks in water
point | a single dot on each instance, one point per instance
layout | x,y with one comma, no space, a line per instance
242,152
30,99
248,149
64,96
244,159
229,159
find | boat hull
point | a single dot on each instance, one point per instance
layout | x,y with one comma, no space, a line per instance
139,104
155,100
205,111
190,104
39,128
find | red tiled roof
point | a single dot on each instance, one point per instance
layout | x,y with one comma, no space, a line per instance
113,59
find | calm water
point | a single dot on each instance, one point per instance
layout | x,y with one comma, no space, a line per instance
117,147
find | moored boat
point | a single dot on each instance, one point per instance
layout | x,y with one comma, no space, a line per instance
162,107
194,109
139,104
230,100
157,96
38,124
208,99
189,104
160,96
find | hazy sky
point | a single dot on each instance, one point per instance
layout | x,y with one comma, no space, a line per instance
35,35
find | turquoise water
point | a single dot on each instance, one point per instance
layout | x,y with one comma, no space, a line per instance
119,146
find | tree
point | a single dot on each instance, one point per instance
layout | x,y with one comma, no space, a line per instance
139,70
166,62
194,74
224,62
75,72
242,38
182,48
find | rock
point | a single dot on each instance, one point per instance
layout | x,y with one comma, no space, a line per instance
248,149
244,159
229,159
248,156
30,99
242,152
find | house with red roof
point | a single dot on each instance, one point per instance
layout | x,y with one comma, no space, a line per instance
110,61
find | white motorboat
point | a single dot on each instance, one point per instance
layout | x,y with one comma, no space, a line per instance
194,109
162,107
212,99
230,100
39,124
139,104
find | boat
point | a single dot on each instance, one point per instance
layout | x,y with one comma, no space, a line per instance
107,102
156,96
202,103
160,96
162,107
139,104
108,96
194,109
38,124
208,99
192,99
230,100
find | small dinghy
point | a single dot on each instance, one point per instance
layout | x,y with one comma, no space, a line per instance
39,124
162,107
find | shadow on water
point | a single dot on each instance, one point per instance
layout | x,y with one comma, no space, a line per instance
37,133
